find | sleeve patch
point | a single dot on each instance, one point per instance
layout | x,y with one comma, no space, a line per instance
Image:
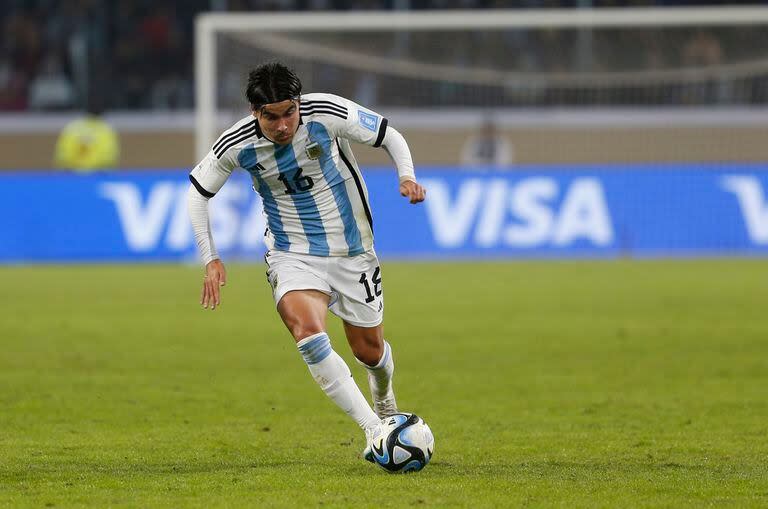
368,121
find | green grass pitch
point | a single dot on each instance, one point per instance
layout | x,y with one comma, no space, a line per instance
547,384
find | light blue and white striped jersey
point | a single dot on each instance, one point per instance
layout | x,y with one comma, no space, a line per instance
314,196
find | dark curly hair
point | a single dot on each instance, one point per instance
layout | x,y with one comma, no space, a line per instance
272,82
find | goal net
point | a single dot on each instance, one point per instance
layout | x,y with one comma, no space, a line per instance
426,65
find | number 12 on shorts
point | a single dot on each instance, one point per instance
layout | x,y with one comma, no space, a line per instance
376,279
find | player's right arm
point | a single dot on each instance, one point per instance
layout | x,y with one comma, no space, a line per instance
206,180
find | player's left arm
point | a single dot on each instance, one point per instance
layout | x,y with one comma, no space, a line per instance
397,148
369,128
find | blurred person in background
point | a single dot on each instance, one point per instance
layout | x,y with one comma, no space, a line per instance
703,49
51,89
88,143
13,85
487,148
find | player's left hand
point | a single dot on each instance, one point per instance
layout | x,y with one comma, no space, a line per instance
414,191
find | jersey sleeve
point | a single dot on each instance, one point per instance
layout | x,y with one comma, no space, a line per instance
347,119
211,173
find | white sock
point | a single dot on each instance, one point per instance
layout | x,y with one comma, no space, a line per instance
381,374
332,374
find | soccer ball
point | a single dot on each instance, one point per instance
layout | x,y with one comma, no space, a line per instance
406,445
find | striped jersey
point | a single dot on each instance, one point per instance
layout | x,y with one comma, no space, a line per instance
315,200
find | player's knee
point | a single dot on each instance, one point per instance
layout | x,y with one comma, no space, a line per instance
302,331
302,327
368,352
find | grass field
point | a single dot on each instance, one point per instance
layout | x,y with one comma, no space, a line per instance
578,384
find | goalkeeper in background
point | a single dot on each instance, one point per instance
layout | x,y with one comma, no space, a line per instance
320,230
88,143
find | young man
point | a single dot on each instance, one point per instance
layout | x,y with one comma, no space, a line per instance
319,237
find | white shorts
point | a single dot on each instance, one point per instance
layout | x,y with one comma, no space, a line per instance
352,282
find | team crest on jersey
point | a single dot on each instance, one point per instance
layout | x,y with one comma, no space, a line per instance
369,121
314,150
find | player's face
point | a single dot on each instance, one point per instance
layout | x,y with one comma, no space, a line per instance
279,121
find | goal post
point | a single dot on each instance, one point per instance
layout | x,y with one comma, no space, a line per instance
501,59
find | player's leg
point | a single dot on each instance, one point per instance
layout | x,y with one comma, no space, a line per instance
304,312
360,304
375,354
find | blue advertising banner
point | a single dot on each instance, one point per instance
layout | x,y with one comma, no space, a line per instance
533,211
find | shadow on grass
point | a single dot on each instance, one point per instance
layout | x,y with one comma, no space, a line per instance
564,470
254,467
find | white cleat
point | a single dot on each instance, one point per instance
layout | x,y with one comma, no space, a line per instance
373,436
383,406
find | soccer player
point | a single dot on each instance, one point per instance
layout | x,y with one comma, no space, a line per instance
320,231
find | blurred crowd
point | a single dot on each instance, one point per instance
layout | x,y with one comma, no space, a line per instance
127,54
138,54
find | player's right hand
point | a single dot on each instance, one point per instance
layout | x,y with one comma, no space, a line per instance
215,278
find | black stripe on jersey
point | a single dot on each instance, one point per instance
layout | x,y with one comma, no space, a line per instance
200,189
327,104
324,111
227,136
321,101
358,184
244,136
309,106
382,132
232,134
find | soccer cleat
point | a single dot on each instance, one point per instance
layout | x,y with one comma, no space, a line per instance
383,406
373,436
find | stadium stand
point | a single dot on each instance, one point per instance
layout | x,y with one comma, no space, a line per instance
138,53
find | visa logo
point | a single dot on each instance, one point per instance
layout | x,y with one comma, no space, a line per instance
159,219
752,202
528,213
